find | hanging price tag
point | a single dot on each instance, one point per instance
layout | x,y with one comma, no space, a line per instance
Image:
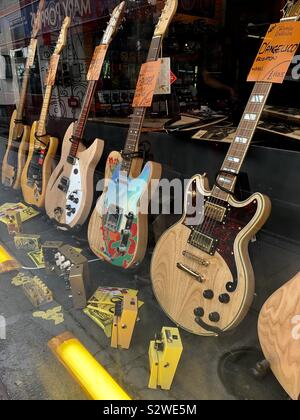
53,66
97,63
276,53
146,84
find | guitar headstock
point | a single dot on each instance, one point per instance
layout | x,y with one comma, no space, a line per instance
114,23
166,17
63,36
37,24
291,9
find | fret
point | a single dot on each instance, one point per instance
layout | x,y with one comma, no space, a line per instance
241,143
137,121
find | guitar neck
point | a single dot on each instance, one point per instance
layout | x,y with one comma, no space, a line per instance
237,152
25,83
139,114
41,130
81,124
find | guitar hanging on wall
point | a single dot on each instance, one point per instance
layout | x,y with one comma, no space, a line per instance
17,147
118,229
201,273
43,147
69,194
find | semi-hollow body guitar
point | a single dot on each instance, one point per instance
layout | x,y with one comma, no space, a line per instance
42,146
19,133
118,228
69,194
201,271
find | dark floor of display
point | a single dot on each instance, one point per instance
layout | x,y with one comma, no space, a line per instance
210,368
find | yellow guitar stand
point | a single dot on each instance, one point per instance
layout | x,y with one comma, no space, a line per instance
164,356
126,312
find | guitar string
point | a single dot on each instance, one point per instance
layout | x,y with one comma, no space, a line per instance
247,127
210,221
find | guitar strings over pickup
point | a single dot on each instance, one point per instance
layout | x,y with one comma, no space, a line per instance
191,272
195,258
64,184
203,242
215,212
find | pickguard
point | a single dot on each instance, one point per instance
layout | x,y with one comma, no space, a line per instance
74,194
120,216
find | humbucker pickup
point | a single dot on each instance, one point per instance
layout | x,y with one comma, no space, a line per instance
203,242
64,184
71,160
215,212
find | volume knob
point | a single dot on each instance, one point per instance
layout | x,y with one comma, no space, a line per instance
214,317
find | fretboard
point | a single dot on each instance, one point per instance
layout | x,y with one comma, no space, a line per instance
138,118
25,83
235,157
81,124
41,130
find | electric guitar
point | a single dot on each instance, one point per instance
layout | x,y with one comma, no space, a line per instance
43,147
69,194
279,335
17,147
118,229
201,271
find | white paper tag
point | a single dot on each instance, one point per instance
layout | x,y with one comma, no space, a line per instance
163,86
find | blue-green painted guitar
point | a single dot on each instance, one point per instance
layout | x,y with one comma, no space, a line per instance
118,228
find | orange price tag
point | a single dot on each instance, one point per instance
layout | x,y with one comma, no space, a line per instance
146,84
50,80
276,53
97,63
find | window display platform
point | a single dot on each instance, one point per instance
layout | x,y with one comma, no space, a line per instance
28,370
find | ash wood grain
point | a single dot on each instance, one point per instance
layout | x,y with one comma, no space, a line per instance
279,335
179,294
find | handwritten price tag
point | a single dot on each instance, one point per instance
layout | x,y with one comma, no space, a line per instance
146,84
50,80
97,63
276,53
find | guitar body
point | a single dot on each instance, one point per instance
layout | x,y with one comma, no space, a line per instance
118,230
15,155
279,335
34,191
79,187
227,274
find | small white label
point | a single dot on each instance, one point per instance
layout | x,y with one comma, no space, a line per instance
257,99
250,117
163,86
242,140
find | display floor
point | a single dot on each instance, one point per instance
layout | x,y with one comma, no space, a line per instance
28,370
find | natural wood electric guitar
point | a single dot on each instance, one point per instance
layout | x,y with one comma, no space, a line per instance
69,194
43,147
279,335
17,147
118,229
201,271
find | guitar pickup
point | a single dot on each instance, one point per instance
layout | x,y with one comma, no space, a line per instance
64,184
126,233
191,272
71,160
203,242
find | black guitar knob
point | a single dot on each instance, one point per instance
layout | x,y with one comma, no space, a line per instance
69,214
231,287
68,207
199,312
76,200
225,298
208,294
214,317
71,197
76,171
73,211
